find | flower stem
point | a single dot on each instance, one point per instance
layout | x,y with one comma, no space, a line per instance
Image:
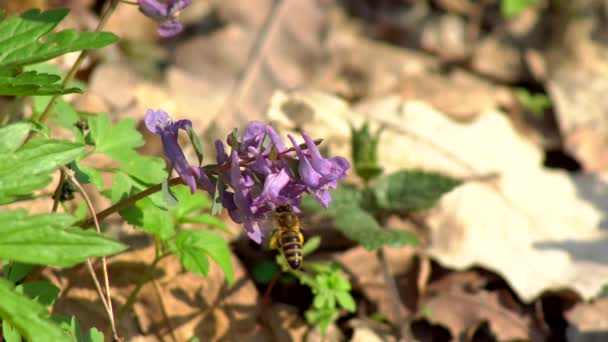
127,202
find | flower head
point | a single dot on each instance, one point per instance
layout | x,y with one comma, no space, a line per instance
165,13
160,123
318,173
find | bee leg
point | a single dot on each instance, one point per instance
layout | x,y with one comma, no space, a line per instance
274,240
301,237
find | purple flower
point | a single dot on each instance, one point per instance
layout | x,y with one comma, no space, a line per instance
165,13
160,123
242,201
318,173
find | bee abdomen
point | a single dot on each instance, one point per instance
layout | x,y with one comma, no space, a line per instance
292,248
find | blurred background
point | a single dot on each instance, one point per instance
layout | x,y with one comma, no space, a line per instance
509,96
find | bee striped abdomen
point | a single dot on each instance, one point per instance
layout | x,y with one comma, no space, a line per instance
292,248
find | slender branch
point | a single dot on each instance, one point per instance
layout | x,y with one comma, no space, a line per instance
396,303
127,202
103,20
108,305
163,310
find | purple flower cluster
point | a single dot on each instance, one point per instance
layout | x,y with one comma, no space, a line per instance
259,174
165,13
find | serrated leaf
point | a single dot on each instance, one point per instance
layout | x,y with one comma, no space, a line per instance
188,202
116,142
208,220
9,333
121,187
32,83
22,184
12,136
31,319
360,226
39,156
342,197
24,39
43,292
346,301
412,190
149,170
194,246
50,239
86,174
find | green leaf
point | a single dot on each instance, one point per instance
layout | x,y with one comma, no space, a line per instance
208,220
512,8
168,196
345,196
94,335
311,245
149,170
264,272
50,239
31,319
365,152
196,143
12,136
24,39
86,174
39,156
17,271
9,333
116,142
193,247
43,292
32,83
189,203
346,301
21,184
218,197
412,190
360,226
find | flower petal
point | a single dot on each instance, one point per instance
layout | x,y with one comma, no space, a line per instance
157,120
178,5
169,28
153,8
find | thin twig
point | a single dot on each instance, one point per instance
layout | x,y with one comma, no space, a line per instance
396,303
69,174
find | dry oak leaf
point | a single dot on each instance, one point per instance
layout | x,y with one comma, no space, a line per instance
540,229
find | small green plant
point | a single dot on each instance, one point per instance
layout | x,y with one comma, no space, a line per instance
512,8
535,103
361,212
330,288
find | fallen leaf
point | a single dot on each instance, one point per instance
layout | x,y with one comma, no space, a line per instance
588,322
539,229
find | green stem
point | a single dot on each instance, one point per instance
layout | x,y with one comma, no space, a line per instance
103,20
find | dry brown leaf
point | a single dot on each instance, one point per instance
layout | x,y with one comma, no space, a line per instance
539,229
249,58
461,311
588,322
577,83
203,307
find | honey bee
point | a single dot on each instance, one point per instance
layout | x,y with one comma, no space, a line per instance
286,235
